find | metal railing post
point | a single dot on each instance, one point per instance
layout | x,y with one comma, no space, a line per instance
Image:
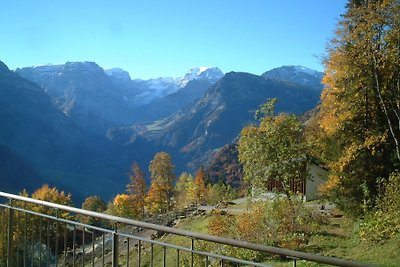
177,258
139,252
25,237
115,246
10,235
191,253
151,255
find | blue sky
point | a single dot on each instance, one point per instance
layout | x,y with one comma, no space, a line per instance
151,38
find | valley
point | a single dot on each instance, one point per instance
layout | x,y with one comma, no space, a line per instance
76,123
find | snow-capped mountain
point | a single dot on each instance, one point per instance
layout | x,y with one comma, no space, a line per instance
297,74
83,91
58,125
154,89
211,74
118,74
162,87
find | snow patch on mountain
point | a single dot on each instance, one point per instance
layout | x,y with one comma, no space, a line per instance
118,73
305,70
212,74
156,88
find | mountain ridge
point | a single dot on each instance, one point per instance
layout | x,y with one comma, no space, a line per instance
70,135
217,118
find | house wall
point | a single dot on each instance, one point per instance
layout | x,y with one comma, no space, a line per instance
317,177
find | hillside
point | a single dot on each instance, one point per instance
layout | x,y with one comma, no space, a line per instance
217,118
40,144
55,123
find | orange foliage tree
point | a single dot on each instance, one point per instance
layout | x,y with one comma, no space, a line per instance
93,203
200,189
137,188
156,200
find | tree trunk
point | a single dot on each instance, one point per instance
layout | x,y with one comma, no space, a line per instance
385,109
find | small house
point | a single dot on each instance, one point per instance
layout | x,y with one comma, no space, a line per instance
307,185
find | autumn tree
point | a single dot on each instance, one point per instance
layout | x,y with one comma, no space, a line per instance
52,195
220,192
225,166
274,152
162,183
359,118
93,203
44,227
124,206
183,190
156,199
137,188
199,187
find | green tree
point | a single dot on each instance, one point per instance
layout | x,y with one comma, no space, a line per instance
162,180
273,152
384,222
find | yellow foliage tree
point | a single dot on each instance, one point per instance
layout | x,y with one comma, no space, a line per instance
162,183
137,188
359,117
93,203
124,206
156,199
183,190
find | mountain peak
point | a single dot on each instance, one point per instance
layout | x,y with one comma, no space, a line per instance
297,74
83,66
300,68
213,74
118,73
3,67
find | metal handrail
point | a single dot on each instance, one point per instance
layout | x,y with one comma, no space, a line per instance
94,228
193,235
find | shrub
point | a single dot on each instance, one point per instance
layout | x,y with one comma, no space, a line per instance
279,222
384,222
